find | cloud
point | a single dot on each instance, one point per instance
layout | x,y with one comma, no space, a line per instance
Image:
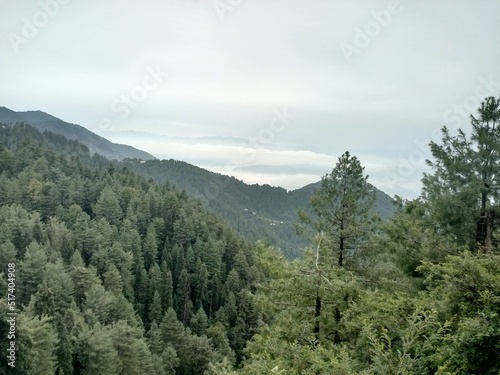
226,77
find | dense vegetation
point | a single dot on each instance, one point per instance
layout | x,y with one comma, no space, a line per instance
121,275
115,274
96,144
260,212
419,294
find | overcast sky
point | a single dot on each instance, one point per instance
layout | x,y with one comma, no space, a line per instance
270,91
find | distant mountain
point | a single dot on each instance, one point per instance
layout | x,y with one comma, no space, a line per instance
261,212
96,144
385,205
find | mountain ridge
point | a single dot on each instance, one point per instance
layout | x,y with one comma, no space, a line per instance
260,212
96,144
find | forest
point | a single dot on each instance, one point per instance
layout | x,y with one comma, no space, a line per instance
109,272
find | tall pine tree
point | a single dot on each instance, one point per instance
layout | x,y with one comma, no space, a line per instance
463,192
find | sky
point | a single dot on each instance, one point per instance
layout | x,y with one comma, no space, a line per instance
269,91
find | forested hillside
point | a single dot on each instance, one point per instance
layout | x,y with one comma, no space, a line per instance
110,273
260,212
96,144
107,272
418,294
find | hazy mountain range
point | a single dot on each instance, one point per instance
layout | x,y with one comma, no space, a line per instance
96,144
261,212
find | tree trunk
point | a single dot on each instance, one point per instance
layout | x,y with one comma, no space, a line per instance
336,333
483,225
317,314
341,245
488,241
341,252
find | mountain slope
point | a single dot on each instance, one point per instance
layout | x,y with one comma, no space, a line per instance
261,212
96,144
103,255
384,203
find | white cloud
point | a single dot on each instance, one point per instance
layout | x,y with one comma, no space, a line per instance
227,77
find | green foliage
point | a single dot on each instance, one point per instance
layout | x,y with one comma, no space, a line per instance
343,208
463,191
275,208
36,346
466,288
88,238
119,275
95,351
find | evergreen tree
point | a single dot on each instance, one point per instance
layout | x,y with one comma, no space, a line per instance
155,281
108,207
95,352
7,254
170,359
463,192
199,322
31,272
36,346
201,286
150,247
155,309
167,288
113,281
184,304
126,341
343,207
154,339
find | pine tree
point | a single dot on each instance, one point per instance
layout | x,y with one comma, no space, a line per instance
126,343
172,330
31,271
199,322
343,207
98,304
155,281
113,281
154,339
154,308
108,207
50,200
170,359
36,346
141,292
150,247
463,192
184,304
7,254
201,287
167,288
95,352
